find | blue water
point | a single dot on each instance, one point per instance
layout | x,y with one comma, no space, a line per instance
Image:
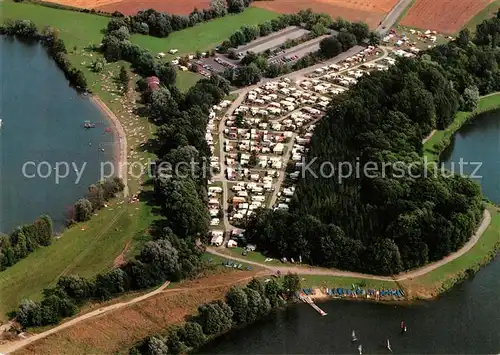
42,124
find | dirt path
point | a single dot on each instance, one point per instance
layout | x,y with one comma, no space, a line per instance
13,346
400,277
429,136
121,158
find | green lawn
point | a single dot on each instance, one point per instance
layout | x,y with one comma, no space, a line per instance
488,12
473,260
486,103
205,35
83,252
345,282
186,79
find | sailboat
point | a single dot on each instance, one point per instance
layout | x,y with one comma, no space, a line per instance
1,123
354,337
389,345
360,349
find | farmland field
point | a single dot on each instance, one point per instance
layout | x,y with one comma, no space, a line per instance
369,11
445,16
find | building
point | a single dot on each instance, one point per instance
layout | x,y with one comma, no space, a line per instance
153,83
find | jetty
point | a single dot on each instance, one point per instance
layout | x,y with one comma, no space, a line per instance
306,299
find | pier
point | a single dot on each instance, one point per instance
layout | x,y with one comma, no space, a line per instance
308,300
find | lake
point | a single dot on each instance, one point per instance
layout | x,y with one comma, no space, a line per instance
42,124
463,320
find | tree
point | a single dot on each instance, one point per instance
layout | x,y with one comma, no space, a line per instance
330,47
215,317
156,346
96,196
360,30
347,40
463,37
112,48
386,257
257,285
373,39
235,6
166,73
83,210
192,335
236,298
124,78
76,287
247,75
470,98
162,259
29,314
291,284
273,292
110,283
187,214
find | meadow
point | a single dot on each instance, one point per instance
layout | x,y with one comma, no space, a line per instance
204,36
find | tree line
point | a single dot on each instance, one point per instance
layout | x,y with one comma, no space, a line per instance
388,222
24,240
49,38
254,66
161,24
241,306
97,195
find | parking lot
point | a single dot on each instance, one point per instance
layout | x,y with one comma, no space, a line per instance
271,41
295,53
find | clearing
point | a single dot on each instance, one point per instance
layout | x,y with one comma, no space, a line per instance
445,16
204,36
131,7
369,11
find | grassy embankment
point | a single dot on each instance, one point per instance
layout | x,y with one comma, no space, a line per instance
441,138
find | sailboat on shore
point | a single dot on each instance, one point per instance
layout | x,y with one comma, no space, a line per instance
389,345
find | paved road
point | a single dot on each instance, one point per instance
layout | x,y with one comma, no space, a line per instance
11,347
400,277
391,18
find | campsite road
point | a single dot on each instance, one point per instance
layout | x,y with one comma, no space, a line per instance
400,277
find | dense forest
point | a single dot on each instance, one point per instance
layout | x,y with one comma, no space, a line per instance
386,222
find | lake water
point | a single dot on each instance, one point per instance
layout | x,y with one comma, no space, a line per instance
463,320
42,125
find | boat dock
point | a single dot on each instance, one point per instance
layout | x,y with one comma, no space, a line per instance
308,300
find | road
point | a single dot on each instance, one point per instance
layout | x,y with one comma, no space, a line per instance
391,18
400,277
11,347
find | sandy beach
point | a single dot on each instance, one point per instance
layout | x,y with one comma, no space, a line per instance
121,151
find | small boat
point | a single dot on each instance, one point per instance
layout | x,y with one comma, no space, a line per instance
88,124
389,345
354,337
1,123
360,349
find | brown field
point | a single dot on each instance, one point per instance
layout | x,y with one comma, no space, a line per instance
116,331
131,7
179,7
369,11
445,16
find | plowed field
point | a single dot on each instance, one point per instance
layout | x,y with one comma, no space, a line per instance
130,7
368,11
445,16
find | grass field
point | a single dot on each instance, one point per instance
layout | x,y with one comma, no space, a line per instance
486,103
345,282
186,79
206,35
488,12
83,252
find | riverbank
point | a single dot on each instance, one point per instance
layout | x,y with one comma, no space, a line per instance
121,141
439,140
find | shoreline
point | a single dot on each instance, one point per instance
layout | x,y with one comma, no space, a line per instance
120,150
